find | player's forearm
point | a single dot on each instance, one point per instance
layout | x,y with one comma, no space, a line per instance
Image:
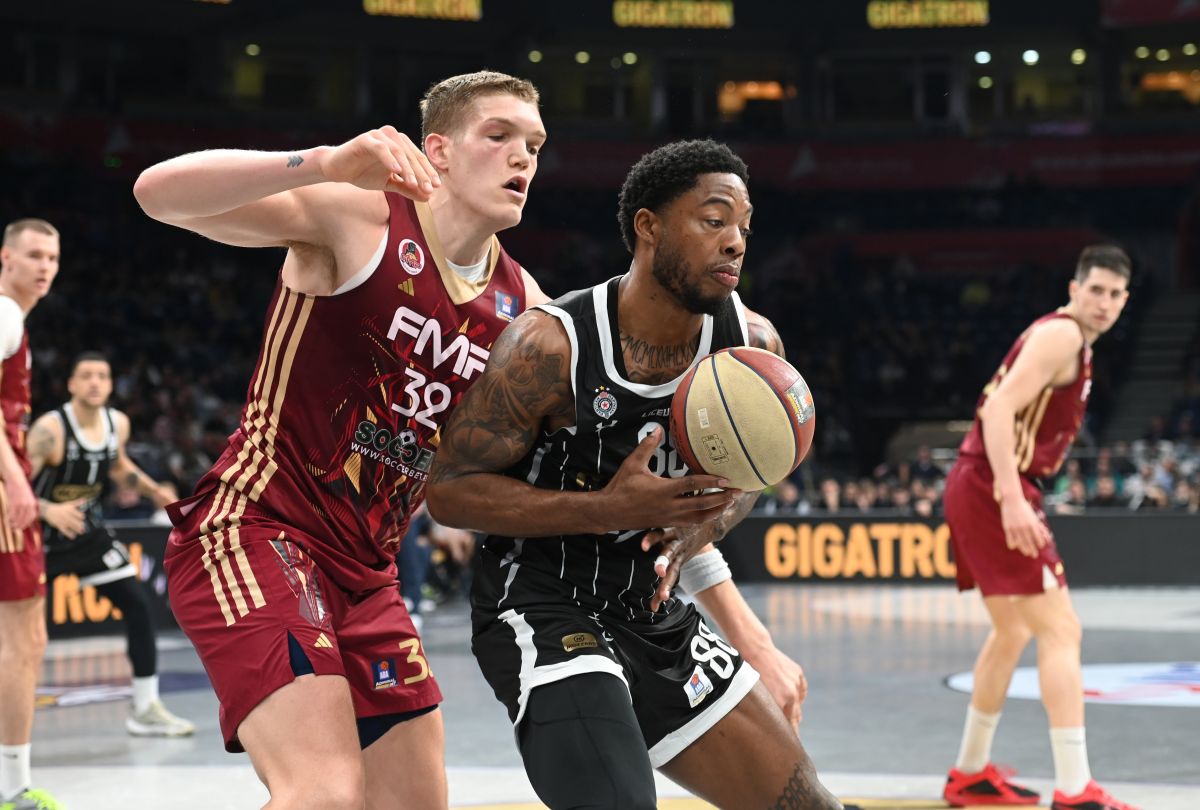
204,184
999,442
497,504
10,468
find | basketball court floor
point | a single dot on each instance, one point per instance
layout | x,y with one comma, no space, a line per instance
882,720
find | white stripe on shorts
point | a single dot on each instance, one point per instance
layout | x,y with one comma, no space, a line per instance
671,745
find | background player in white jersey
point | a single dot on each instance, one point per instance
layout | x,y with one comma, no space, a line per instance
560,454
76,451
28,265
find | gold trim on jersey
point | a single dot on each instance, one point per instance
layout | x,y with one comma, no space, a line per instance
460,291
219,532
1028,422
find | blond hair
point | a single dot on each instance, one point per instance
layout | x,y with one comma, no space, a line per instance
445,107
19,226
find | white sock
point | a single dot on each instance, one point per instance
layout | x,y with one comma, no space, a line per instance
1071,771
145,692
14,770
976,748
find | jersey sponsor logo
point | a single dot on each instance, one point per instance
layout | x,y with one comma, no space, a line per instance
323,642
506,306
406,287
698,687
412,258
469,359
385,673
399,452
605,404
579,641
1144,684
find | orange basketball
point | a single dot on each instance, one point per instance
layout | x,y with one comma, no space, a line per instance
744,414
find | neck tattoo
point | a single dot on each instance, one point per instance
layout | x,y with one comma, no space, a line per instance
647,357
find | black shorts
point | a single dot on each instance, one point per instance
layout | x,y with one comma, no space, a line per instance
682,677
96,558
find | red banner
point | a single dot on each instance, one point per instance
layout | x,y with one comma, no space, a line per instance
1120,13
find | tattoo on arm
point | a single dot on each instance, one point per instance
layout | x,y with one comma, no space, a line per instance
499,417
39,445
764,336
294,161
131,479
797,793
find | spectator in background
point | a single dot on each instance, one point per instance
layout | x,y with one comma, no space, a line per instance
924,468
1106,494
784,499
831,496
1185,497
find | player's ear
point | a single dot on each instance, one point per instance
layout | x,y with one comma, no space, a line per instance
437,149
647,226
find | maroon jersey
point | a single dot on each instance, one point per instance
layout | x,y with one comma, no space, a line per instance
16,394
342,415
1046,428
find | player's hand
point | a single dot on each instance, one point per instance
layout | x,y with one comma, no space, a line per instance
639,499
675,547
458,543
67,517
1024,531
783,678
382,159
22,505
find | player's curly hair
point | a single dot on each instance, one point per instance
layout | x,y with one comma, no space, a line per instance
659,177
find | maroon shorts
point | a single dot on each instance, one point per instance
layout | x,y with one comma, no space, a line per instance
260,612
22,561
981,553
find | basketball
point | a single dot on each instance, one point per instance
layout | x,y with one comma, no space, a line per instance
744,414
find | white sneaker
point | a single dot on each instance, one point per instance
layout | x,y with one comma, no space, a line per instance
156,721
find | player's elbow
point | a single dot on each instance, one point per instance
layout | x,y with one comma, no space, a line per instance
150,190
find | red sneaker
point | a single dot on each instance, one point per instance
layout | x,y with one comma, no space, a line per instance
1093,797
989,786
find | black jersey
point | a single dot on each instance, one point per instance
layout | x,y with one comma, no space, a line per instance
608,574
83,473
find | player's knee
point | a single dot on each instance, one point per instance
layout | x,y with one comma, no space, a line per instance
1014,634
337,789
586,755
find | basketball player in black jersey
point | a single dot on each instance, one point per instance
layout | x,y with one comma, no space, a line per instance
560,453
77,451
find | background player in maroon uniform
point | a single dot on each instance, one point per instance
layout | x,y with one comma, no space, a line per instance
28,265
281,567
1026,422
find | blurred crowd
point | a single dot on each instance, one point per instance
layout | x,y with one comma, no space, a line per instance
1148,475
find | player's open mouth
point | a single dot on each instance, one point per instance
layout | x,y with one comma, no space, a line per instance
517,186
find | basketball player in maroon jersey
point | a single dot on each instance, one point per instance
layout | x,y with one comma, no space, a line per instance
1026,421
28,265
281,565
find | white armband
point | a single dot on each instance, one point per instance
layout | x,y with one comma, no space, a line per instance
704,571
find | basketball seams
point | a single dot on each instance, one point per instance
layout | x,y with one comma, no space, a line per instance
779,397
729,416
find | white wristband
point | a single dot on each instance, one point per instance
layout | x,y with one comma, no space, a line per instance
704,571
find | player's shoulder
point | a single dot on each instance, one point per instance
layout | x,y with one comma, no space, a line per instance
761,333
10,310
1058,332
50,421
